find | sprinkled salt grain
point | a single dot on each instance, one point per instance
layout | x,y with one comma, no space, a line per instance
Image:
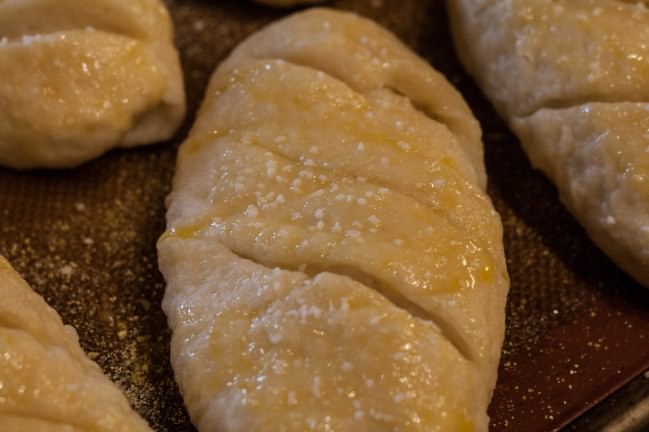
315,387
334,187
292,399
397,242
398,124
318,193
238,187
352,234
309,162
385,161
374,220
360,147
645,229
346,366
88,241
358,415
320,225
404,145
349,198
80,206
369,383
340,197
275,338
271,168
323,178
314,150
361,201
369,194
280,139
429,230
336,227
306,174
28,39
398,397
383,191
319,214
439,183
357,224
610,220
252,211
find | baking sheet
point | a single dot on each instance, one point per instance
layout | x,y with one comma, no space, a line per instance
577,328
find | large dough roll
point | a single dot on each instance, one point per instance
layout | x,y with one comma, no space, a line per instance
572,79
80,77
47,384
332,260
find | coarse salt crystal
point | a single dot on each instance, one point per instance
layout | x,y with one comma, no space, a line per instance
252,211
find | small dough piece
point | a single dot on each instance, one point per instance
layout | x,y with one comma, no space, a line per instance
572,79
332,260
48,384
81,77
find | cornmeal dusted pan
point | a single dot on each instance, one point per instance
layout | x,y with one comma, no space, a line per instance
577,329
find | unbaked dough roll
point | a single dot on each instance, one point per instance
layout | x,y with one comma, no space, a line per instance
48,384
332,260
572,79
81,77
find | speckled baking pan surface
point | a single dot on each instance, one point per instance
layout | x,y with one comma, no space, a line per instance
578,328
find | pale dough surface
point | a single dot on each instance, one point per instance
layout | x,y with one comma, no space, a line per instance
572,79
81,77
47,384
332,259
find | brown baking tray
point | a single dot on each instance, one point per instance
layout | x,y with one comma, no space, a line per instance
577,327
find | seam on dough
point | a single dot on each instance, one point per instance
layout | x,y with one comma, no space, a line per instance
418,107
7,325
558,105
437,118
392,295
373,181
